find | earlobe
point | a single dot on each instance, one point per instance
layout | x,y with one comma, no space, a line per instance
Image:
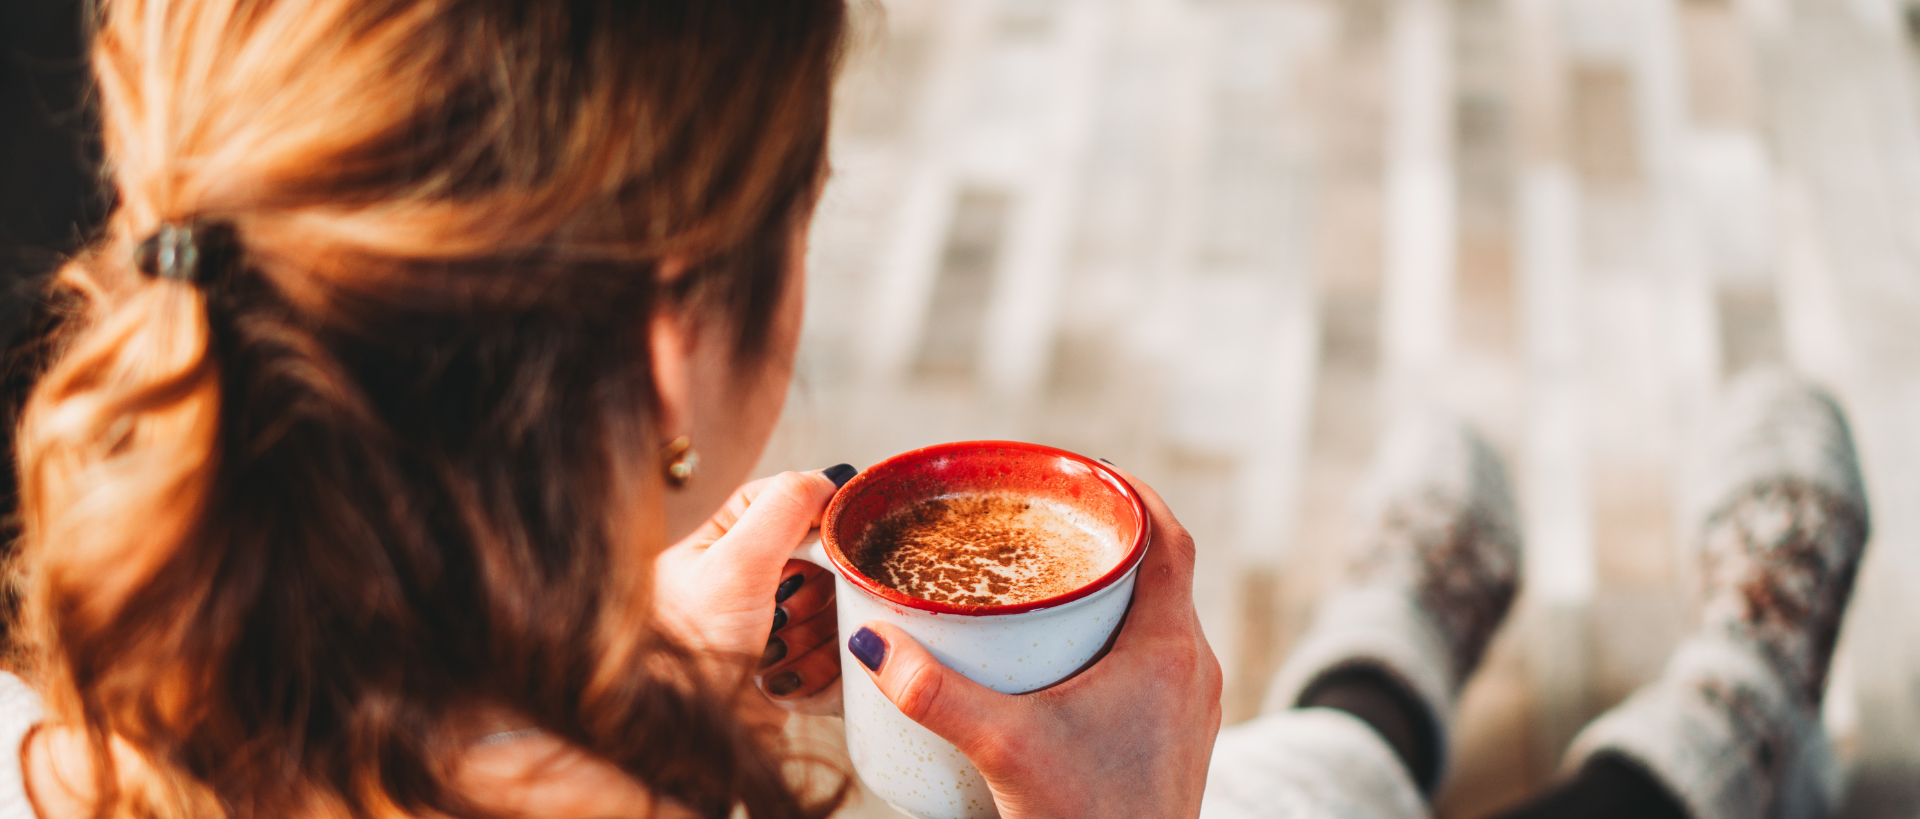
670,341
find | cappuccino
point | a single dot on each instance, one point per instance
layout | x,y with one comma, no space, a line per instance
985,550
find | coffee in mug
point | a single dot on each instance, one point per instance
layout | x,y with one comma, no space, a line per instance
986,549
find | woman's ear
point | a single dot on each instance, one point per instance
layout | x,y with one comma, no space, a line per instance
671,340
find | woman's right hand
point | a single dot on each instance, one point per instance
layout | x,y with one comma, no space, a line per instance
730,588
1130,736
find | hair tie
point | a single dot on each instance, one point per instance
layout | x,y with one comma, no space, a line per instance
196,253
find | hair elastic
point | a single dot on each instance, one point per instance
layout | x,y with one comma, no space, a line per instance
196,253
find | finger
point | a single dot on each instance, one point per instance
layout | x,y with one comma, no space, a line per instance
1170,539
807,590
797,639
806,676
736,506
778,516
1163,585
824,656
729,513
825,702
959,710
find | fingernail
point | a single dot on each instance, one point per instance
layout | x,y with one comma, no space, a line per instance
787,587
779,618
868,648
776,651
1107,462
839,474
783,683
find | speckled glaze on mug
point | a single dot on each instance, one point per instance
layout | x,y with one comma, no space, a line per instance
1011,649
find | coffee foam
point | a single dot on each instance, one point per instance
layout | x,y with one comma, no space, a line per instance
986,549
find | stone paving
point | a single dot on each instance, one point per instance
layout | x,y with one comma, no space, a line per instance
1219,241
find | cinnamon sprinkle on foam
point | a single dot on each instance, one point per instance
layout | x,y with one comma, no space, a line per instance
983,550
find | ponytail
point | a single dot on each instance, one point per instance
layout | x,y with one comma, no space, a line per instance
309,486
118,443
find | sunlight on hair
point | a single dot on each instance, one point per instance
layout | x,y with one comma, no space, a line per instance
287,530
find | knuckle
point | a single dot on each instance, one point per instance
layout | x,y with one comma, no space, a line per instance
753,487
821,639
748,493
788,484
1178,541
824,665
1179,662
997,751
918,696
1188,666
807,482
789,492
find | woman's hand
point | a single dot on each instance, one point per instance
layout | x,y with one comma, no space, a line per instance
730,589
1130,736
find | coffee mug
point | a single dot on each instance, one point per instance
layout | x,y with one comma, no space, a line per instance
1013,649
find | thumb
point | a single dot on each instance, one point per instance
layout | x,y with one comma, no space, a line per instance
777,518
941,699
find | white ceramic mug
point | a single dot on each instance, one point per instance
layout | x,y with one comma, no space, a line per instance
1012,649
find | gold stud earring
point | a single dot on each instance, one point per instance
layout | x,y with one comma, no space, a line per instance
680,461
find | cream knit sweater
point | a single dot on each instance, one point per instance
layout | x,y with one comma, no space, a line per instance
19,711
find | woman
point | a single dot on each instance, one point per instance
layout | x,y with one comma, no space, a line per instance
420,329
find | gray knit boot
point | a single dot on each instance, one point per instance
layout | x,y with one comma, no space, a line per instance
1732,725
1429,579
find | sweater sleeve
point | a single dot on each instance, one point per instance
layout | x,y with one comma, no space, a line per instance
20,710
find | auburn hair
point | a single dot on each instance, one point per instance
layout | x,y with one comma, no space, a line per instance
280,534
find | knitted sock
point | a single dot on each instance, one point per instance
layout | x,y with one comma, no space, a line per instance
1430,578
1732,725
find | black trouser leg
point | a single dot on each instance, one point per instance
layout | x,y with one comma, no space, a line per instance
1608,787
1394,712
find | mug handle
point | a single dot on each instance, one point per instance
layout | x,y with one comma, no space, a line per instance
813,551
827,703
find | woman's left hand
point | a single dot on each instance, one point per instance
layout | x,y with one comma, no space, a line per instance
730,588
1132,735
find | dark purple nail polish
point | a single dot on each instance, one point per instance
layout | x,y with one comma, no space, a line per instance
779,619
787,587
1107,462
868,648
775,652
839,474
783,683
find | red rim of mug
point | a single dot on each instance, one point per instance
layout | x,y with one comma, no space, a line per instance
1113,479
